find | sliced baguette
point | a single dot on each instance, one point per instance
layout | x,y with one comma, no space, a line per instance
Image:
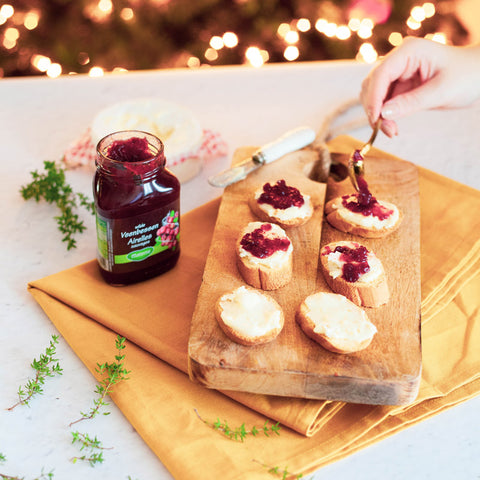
267,273
292,216
347,221
335,322
248,316
371,288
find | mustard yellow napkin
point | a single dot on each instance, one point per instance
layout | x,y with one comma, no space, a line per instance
160,401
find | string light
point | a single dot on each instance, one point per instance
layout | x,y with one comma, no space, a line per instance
256,57
429,9
292,37
290,32
193,62
127,14
31,19
343,32
211,54
10,37
216,42
230,39
395,38
40,62
291,53
303,25
367,53
96,72
54,70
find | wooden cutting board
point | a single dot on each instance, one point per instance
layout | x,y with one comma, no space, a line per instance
388,371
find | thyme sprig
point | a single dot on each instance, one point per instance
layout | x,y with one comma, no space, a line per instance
53,188
240,433
93,446
45,367
115,372
284,473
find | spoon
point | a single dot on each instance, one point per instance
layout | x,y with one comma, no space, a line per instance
356,165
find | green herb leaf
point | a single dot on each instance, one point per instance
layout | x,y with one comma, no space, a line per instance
44,367
115,372
51,186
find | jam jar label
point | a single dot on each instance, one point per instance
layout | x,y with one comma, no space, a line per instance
134,239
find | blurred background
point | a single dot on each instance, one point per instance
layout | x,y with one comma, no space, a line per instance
67,37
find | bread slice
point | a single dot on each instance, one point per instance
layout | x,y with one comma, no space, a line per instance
365,287
335,323
281,204
268,267
368,226
249,316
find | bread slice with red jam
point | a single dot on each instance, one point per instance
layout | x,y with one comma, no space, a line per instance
282,204
352,270
362,214
264,255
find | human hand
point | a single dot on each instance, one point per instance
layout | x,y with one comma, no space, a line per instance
419,75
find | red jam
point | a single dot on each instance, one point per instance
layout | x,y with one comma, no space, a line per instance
137,203
281,196
356,261
365,203
133,149
261,246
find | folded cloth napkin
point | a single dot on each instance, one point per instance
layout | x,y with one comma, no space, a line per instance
166,408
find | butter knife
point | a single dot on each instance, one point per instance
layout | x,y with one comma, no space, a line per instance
289,142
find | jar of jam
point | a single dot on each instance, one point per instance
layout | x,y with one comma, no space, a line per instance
137,206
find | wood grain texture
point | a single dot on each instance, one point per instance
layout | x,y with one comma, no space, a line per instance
388,371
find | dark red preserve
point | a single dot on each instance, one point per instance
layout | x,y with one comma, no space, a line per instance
137,203
260,245
356,262
365,203
281,196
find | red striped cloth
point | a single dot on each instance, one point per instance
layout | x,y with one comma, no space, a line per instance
82,151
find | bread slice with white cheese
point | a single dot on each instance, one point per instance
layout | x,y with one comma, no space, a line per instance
264,256
352,270
282,204
358,223
248,316
335,322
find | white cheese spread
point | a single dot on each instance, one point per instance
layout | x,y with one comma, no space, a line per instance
338,318
250,313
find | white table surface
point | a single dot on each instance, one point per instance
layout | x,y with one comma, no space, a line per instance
39,117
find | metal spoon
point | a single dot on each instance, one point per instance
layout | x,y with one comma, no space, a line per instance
356,165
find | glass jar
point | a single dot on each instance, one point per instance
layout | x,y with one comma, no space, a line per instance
137,206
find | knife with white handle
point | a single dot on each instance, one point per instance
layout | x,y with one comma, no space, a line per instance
289,142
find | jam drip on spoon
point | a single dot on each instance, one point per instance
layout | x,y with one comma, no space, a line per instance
281,196
262,246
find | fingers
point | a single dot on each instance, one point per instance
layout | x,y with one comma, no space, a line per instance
397,72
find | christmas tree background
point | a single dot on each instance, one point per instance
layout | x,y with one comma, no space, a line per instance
53,37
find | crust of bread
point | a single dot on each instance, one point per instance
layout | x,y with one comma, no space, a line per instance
337,221
344,346
242,339
284,223
364,294
263,276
